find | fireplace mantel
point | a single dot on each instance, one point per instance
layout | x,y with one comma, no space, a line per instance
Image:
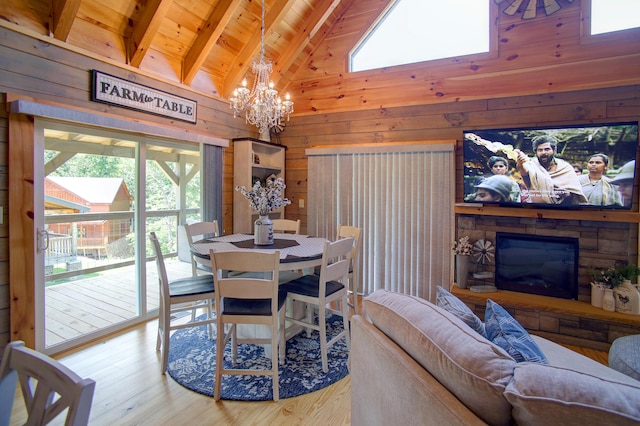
564,321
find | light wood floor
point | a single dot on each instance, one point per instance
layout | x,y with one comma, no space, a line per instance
131,391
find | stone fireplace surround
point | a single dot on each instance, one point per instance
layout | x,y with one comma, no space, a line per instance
566,321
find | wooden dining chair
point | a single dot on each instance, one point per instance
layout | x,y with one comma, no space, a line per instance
346,231
182,295
197,231
286,226
320,290
48,387
248,300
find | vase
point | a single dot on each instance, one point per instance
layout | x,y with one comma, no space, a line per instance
462,270
263,231
627,298
608,301
597,292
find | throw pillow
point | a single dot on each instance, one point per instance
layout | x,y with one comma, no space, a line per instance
503,330
451,303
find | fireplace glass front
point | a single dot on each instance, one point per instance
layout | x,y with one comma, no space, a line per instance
537,264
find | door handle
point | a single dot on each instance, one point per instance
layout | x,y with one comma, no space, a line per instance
43,239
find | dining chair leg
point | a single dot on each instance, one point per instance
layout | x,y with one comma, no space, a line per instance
322,322
165,348
345,320
275,350
283,343
220,343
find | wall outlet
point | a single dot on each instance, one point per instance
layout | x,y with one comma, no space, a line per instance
301,203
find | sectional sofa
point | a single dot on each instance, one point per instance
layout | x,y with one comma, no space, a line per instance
415,363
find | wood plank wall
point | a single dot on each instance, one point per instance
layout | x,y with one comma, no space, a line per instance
544,74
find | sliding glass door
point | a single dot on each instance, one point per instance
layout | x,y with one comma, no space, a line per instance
102,192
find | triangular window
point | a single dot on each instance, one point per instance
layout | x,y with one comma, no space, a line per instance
614,15
421,30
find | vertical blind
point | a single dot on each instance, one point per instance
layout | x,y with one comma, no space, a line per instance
402,196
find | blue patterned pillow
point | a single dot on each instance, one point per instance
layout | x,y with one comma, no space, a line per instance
452,304
503,330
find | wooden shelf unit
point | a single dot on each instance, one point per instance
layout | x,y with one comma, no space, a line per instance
253,158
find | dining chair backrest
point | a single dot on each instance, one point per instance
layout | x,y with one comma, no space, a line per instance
48,387
286,225
336,259
197,231
258,278
346,231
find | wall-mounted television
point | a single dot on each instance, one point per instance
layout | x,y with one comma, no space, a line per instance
577,166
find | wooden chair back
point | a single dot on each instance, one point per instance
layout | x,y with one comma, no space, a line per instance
48,387
197,231
286,225
346,231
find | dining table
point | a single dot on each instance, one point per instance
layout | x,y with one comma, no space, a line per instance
298,254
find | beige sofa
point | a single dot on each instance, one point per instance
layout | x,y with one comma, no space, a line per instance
414,363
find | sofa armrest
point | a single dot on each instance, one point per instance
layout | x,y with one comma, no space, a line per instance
390,387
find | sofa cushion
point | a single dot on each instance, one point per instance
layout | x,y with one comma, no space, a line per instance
545,394
503,330
457,307
472,368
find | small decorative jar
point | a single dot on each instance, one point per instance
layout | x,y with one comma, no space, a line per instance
608,301
263,231
597,293
627,298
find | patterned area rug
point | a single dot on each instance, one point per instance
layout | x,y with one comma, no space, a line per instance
192,359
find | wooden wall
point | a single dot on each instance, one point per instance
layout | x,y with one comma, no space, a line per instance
544,73
544,55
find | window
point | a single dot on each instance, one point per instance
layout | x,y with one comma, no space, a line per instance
614,15
421,30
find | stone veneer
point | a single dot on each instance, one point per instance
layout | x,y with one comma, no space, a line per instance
601,245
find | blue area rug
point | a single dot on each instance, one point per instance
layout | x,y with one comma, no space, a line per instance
192,359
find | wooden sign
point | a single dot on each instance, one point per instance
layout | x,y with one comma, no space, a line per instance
112,90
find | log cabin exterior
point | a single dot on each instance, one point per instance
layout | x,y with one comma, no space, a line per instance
541,71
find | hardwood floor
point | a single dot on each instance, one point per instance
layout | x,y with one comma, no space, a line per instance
131,391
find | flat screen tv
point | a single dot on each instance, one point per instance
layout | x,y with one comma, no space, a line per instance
575,167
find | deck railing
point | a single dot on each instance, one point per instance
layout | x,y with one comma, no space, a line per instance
68,256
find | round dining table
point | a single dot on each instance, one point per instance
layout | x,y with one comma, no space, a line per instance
296,251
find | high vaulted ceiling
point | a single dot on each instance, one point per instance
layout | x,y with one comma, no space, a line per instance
209,45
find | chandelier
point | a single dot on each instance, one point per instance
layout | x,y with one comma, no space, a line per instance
262,105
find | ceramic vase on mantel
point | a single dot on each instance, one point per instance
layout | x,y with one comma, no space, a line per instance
462,270
627,298
608,301
597,293
263,231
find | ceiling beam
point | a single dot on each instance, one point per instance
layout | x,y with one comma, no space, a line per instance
145,30
313,24
63,13
207,38
242,62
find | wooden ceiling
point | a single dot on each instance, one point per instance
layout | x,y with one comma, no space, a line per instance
208,45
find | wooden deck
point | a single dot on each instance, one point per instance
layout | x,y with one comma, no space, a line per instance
86,305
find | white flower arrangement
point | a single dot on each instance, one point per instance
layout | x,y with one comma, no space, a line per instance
462,246
265,199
